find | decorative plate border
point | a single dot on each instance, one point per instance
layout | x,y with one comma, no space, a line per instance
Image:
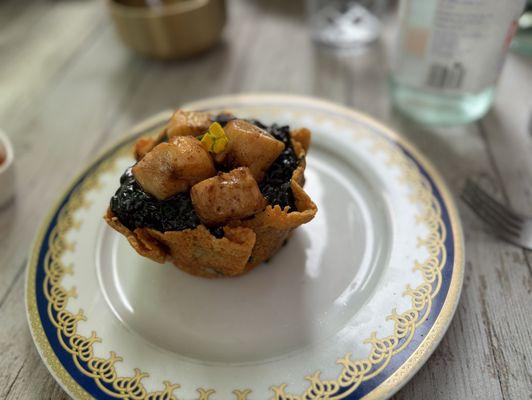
393,359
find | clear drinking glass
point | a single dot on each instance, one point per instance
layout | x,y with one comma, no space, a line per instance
345,23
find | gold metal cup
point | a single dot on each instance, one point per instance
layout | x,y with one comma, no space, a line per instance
170,29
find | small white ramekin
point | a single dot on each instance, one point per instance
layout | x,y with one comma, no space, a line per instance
7,170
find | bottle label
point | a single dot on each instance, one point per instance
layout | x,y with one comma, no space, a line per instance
455,46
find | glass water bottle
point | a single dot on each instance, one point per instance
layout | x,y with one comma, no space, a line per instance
448,57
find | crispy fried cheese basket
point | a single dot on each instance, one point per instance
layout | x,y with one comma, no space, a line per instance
246,242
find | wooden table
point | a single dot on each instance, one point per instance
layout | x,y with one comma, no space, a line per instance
68,87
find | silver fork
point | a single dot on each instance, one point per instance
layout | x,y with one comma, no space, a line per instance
508,224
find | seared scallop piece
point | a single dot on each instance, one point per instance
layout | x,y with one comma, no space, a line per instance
227,196
173,167
249,146
182,123
188,123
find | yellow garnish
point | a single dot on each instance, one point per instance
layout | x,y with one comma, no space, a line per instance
215,139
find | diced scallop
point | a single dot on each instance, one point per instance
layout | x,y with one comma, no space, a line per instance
174,167
227,196
188,123
249,146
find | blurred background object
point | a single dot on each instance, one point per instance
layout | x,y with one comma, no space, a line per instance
7,173
449,56
345,23
169,29
522,42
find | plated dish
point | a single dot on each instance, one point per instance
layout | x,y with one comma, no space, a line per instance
350,308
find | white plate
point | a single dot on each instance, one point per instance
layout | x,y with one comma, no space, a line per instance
351,307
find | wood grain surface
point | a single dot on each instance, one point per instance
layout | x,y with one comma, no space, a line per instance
68,87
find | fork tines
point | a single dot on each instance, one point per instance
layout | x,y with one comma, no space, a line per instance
505,221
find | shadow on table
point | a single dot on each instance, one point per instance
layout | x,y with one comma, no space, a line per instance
355,77
166,85
456,152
